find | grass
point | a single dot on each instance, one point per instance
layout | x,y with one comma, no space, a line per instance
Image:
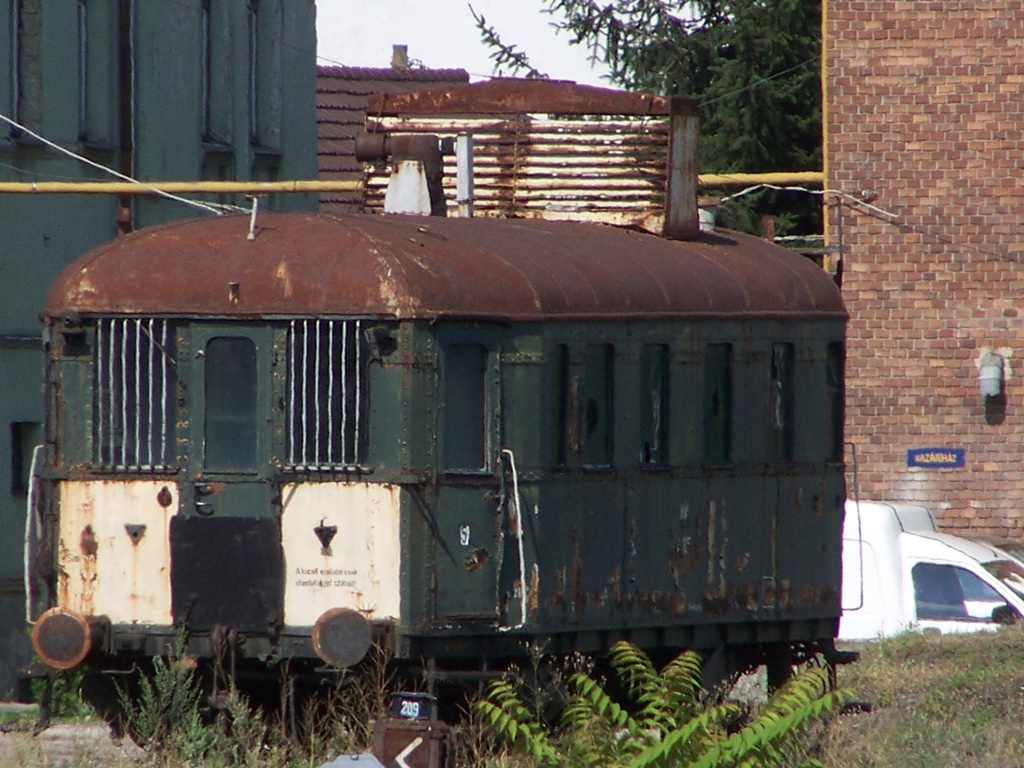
936,701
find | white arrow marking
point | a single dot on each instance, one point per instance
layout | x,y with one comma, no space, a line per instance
400,757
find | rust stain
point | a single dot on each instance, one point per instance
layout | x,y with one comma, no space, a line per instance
487,268
784,596
533,596
579,597
164,498
679,603
477,559
516,96
743,562
63,578
811,594
747,596
87,543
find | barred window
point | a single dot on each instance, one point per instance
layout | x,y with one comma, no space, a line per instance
133,425
327,395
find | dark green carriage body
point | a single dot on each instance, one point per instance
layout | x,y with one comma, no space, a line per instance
543,431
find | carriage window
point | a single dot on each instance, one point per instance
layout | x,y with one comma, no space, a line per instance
565,433
834,403
133,409
598,371
654,372
780,400
465,407
25,436
327,395
231,404
717,403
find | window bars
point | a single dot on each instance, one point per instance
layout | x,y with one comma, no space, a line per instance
133,408
326,394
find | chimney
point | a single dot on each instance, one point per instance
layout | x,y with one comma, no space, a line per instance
682,221
417,171
400,57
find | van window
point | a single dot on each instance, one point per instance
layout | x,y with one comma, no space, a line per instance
950,592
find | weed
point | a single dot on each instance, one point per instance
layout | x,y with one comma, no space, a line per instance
664,718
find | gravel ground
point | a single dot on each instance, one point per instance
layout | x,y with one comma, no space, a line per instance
67,745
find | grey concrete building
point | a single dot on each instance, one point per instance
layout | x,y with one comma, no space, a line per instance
159,91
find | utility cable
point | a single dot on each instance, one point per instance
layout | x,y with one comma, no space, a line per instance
208,207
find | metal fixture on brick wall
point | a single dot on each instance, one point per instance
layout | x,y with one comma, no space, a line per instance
990,374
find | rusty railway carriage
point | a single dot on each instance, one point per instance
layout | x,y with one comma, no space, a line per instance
461,434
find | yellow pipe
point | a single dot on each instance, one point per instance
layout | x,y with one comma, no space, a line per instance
175,187
269,187
743,179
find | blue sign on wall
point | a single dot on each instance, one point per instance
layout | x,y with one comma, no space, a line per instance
936,458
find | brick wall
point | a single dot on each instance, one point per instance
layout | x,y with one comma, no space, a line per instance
925,112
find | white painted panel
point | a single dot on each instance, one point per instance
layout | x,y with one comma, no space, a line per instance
102,572
360,568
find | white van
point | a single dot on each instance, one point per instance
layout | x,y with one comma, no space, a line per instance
899,573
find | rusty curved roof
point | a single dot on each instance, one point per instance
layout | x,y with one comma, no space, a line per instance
414,267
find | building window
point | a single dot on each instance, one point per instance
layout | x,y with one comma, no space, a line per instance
206,66
717,403
654,372
83,70
134,412
835,397
780,399
327,394
25,436
464,430
27,60
596,416
254,71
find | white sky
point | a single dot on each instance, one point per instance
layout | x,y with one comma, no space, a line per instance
442,34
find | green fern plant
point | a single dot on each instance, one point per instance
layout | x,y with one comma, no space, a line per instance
665,719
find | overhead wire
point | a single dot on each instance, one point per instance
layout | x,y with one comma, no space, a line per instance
214,208
858,203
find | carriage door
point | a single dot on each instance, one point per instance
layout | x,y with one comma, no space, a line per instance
467,556
228,533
